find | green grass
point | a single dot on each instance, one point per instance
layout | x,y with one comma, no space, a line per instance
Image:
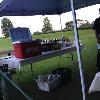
86,37
55,35
5,44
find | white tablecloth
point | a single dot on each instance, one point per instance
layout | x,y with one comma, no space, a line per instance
14,62
11,61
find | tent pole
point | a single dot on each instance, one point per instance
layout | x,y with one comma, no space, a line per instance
61,27
78,49
60,23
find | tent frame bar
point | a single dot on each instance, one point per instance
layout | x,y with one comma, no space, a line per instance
77,43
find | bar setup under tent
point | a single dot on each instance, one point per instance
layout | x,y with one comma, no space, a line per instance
49,7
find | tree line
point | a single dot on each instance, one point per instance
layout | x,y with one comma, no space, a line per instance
81,24
6,24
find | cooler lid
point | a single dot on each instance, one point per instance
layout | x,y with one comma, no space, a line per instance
20,34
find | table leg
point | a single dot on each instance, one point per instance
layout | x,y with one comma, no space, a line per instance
20,73
72,59
59,61
32,70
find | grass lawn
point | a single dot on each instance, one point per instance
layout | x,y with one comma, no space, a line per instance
87,37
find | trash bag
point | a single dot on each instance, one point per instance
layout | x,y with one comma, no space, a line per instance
48,82
65,74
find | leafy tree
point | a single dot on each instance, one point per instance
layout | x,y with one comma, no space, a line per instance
82,24
47,27
69,25
6,24
86,25
79,22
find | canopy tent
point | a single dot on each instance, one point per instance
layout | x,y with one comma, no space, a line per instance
40,7
48,7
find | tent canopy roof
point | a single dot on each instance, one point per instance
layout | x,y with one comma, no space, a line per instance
40,7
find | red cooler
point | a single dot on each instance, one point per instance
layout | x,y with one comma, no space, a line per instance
24,46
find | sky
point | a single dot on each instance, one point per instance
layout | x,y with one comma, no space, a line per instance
35,23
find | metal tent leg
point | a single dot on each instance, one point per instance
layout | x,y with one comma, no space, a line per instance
78,49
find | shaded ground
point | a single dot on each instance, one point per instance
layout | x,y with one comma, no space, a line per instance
70,91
